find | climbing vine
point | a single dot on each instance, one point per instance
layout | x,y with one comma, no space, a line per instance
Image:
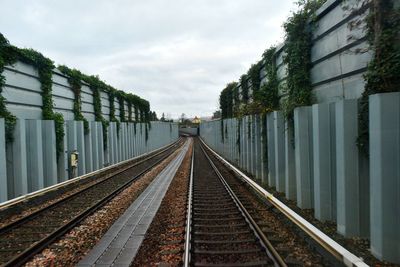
222,130
45,68
226,100
298,57
130,112
268,93
382,76
244,88
121,96
113,118
254,76
239,126
96,85
7,57
75,80
136,116
10,54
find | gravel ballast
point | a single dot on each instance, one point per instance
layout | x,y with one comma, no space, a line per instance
75,244
164,240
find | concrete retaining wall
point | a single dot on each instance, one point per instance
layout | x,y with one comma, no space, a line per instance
30,163
190,131
318,164
337,68
23,95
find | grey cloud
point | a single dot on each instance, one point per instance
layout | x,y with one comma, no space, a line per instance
178,54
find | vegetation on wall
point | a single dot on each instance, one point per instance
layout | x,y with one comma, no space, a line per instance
254,75
9,54
121,96
268,93
382,76
130,112
239,126
75,80
113,118
7,57
244,87
298,56
226,100
96,85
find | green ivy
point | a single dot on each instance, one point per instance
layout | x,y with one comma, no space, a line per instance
298,57
244,88
254,76
130,112
10,54
238,133
75,78
7,57
268,93
382,76
222,130
236,99
113,118
146,132
226,100
264,134
96,85
45,69
121,96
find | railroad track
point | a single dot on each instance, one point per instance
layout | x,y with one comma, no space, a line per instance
22,239
220,230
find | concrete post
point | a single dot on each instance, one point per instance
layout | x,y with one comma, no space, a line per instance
89,150
264,151
114,142
34,155
243,127
17,167
80,144
111,143
129,140
95,147
384,127
253,147
279,134
100,144
49,153
290,166
271,150
62,163
235,145
248,143
3,166
324,162
349,190
258,147
135,144
72,145
120,139
304,157
123,141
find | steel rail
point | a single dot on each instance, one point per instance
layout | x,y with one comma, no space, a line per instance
331,246
271,251
187,248
24,198
32,215
28,253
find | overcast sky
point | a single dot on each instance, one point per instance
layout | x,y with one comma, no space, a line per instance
178,54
